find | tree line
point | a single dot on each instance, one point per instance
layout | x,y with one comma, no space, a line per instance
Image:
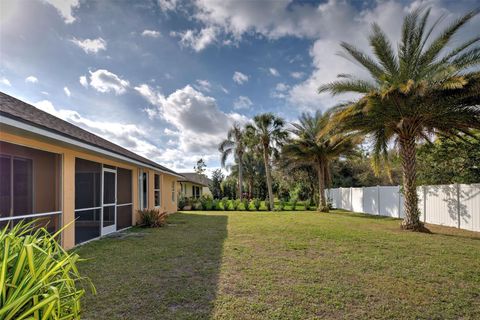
421,96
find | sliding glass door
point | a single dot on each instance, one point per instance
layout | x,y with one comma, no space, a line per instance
109,201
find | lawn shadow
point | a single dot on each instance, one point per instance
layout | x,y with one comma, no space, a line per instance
170,273
362,215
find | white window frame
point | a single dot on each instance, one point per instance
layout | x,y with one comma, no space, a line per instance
173,190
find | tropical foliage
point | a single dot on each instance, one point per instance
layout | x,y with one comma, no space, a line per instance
427,87
38,278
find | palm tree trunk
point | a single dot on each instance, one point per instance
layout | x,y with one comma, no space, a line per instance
269,176
240,177
323,207
409,167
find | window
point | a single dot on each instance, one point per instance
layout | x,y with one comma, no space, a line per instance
29,186
156,190
173,191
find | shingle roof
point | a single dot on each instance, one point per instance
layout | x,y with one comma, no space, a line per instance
16,109
195,178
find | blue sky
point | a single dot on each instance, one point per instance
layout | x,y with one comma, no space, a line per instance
166,78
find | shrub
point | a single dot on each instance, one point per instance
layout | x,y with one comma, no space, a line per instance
256,203
267,204
246,205
182,202
38,278
225,203
281,205
152,218
235,204
294,203
215,204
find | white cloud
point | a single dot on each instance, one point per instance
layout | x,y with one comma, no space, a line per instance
224,89
5,82
203,85
67,91
91,45
197,40
239,77
200,124
64,8
274,72
105,81
151,33
297,74
168,5
31,79
83,81
280,91
242,102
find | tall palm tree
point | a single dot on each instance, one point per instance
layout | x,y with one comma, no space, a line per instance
252,168
317,146
428,87
266,134
234,144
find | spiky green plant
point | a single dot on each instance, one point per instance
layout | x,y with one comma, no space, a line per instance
430,86
38,278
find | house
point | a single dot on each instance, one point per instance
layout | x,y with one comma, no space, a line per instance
194,185
56,172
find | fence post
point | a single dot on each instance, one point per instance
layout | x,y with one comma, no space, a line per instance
458,203
424,204
378,200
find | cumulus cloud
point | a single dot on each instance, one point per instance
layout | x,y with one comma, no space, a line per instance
239,77
90,45
200,124
83,81
280,91
5,81
31,79
168,5
64,8
242,102
274,72
196,39
105,81
151,33
67,91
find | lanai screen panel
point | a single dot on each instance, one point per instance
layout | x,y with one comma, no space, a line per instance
29,186
124,198
88,183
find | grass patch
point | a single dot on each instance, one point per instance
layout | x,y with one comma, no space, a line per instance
302,265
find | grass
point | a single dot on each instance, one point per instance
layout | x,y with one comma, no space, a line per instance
302,265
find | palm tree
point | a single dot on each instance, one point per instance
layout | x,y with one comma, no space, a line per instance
234,144
266,134
316,146
426,88
252,168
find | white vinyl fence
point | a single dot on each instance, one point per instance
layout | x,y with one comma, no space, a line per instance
456,205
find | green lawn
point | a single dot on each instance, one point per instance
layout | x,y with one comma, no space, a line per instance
302,265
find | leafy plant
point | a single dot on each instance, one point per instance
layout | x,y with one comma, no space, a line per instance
281,205
256,203
205,202
294,203
246,205
38,278
215,203
225,203
152,218
268,204
235,204
182,202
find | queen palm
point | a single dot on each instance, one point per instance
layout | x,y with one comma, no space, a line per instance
266,133
252,168
234,144
425,88
316,146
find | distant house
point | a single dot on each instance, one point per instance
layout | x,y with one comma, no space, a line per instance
194,185
56,172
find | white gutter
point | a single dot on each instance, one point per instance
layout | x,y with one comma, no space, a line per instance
59,137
